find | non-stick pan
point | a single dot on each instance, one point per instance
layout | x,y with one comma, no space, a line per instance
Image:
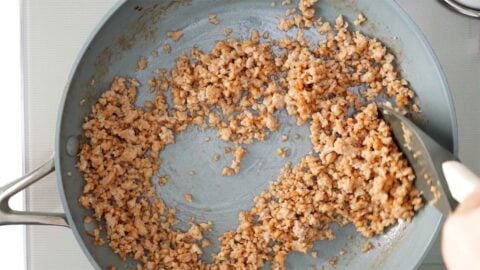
138,28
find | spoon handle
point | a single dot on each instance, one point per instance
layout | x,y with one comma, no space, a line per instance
461,180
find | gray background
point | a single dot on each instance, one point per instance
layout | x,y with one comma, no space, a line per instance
55,30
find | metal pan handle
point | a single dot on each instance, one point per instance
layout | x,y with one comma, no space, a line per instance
472,12
12,217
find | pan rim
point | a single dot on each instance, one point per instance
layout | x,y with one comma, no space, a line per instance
116,6
58,171
438,69
449,97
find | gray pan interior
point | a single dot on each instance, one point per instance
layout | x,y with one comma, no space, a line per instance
127,33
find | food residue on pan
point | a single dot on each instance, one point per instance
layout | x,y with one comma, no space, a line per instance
162,181
212,18
360,19
167,48
428,178
416,108
88,220
142,63
436,194
228,171
367,246
227,31
205,243
175,35
407,136
355,173
282,152
188,197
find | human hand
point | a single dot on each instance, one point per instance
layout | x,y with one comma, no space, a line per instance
461,235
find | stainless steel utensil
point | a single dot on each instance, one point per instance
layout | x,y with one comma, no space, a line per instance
430,159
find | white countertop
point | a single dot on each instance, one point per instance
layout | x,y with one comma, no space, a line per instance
54,31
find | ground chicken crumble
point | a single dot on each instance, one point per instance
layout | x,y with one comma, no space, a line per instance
212,18
234,168
356,173
175,36
142,63
167,48
282,152
360,19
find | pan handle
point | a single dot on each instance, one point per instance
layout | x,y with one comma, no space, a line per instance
12,217
453,4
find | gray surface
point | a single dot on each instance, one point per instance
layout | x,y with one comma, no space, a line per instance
42,100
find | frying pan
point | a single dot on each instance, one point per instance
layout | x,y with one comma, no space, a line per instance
138,28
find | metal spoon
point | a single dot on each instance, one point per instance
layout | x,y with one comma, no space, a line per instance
430,160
